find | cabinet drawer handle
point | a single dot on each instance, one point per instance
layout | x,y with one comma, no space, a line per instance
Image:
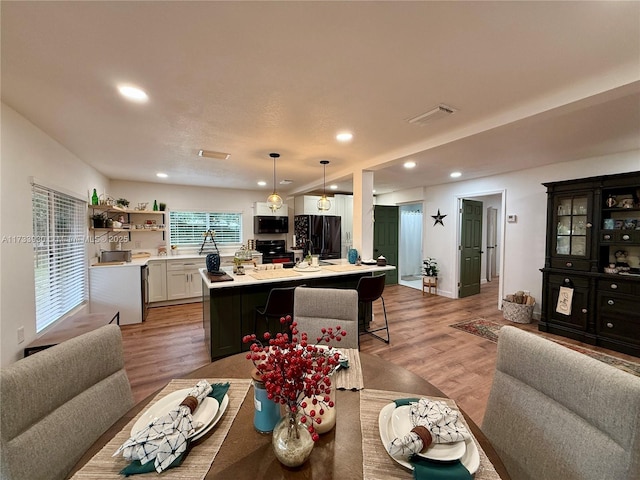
567,280
589,225
569,264
584,310
614,286
607,237
626,237
610,302
610,325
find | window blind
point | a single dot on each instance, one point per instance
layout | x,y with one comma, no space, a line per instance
59,228
187,228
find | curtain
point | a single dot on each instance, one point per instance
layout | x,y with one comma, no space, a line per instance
410,243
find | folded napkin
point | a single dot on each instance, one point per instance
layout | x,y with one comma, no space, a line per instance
165,439
434,422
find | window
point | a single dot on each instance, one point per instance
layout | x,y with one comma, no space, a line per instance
59,227
187,228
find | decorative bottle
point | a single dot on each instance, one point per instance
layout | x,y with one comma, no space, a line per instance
94,197
352,255
155,205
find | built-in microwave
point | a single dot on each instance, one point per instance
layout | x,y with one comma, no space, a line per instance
268,224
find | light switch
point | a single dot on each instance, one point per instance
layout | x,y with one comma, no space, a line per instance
512,218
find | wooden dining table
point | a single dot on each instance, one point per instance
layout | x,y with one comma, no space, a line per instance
247,454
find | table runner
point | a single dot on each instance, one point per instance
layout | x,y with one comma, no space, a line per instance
350,378
343,268
376,461
104,466
272,274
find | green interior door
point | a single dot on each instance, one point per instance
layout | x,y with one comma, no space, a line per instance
385,238
470,248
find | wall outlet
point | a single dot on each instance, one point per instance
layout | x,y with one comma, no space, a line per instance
20,334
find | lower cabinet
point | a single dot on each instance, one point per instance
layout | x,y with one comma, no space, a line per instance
157,281
183,279
618,307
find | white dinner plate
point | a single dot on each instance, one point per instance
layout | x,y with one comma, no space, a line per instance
470,459
203,431
204,414
401,426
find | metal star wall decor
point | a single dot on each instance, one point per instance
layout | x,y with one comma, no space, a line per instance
438,218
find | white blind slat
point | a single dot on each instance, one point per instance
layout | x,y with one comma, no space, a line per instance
59,226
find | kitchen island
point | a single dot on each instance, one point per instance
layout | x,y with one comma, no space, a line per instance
229,306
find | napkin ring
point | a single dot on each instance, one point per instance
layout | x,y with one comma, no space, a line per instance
424,434
191,402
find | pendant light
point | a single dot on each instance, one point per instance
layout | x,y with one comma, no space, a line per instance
324,204
274,201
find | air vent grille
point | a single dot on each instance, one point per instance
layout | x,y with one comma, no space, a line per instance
435,113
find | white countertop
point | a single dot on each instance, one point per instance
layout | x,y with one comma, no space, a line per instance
323,272
139,262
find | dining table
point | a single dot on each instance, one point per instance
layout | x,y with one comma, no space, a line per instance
351,450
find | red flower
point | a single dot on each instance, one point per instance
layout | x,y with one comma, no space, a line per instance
293,369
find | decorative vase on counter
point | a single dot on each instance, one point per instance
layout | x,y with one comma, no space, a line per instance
292,442
352,255
213,262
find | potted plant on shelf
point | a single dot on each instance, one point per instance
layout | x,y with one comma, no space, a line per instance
99,220
430,268
122,202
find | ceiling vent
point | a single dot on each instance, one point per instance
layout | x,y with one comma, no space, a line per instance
216,155
436,113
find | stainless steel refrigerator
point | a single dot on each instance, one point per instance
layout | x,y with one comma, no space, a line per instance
319,234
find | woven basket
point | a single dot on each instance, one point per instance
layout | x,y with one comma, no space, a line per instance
517,312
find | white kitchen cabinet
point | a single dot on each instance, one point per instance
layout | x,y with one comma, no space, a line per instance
308,205
157,281
344,208
262,209
183,278
116,288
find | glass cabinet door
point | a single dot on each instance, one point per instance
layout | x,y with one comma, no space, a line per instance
572,227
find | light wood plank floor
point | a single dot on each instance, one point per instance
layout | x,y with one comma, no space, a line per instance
171,343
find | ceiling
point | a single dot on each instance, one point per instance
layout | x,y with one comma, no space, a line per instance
533,83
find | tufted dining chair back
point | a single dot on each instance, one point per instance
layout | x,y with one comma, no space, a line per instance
554,413
57,402
315,308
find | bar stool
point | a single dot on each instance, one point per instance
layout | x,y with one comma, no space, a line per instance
428,283
279,304
369,290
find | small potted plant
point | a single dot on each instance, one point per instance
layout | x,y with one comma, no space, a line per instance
99,220
430,268
122,202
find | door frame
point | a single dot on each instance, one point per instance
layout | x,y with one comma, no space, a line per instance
501,221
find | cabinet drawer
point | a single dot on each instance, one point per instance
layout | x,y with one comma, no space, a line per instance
620,236
625,329
625,307
571,264
569,281
617,286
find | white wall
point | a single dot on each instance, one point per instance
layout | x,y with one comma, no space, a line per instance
180,197
524,245
27,151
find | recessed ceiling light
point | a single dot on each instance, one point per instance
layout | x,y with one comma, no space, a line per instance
410,164
344,137
212,154
333,187
134,94
262,183
161,175
455,174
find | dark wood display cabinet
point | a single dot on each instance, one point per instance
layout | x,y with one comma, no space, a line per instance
591,276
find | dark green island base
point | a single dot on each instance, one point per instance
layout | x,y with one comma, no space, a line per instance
228,307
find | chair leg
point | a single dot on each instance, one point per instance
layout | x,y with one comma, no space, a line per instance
386,325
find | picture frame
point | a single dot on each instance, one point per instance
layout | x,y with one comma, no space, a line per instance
619,224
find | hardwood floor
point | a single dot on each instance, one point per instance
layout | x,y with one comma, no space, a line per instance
171,343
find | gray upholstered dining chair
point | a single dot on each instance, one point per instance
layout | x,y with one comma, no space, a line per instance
554,413
315,308
57,402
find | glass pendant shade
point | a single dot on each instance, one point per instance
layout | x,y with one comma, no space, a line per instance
274,200
324,204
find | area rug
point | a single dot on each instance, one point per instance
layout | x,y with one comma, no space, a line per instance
489,330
